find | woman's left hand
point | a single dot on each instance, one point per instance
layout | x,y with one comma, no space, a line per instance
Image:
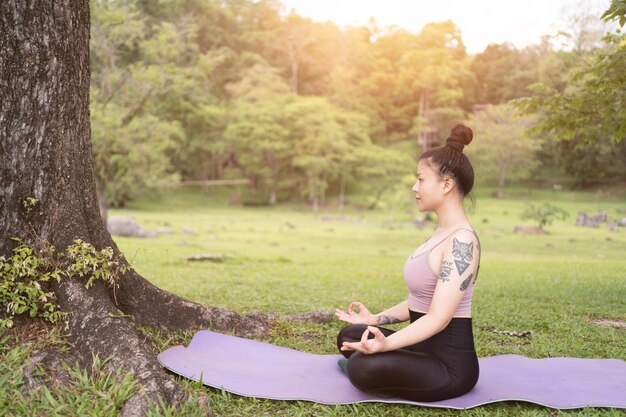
368,346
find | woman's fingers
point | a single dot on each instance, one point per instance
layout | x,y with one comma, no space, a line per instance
358,346
366,345
352,316
365,334
359,305
352,306
343,316
376,332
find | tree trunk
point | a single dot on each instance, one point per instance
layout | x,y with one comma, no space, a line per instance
102,204
273,193
342,192
313,193
422,137
274,182
379,194
501,179
294,50
294,57
45,149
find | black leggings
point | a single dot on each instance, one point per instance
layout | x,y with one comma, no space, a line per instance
441,367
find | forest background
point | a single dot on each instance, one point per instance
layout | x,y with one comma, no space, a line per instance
221,90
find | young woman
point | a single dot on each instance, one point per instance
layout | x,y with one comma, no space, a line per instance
433,358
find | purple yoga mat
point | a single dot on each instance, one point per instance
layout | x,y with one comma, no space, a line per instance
255,369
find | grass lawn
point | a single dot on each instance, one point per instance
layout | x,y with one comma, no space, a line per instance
288,259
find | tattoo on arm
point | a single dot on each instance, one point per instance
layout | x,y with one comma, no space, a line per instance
446,269
387,320
466,283
463,254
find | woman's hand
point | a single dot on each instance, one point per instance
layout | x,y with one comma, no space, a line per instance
362,317
368,346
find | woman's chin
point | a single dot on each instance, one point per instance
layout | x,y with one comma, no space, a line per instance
422,207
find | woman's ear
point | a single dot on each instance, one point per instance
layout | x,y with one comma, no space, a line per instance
448,184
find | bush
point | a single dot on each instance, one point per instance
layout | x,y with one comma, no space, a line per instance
544,214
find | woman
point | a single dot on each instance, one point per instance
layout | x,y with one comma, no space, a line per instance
433,358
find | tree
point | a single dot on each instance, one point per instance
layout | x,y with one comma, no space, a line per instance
430,82
616,11
45,147
258,132
320,144
544,214
588,109
502,150
131,67
503,73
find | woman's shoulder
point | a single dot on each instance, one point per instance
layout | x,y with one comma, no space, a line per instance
463,239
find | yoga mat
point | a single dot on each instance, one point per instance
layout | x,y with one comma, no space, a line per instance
256,369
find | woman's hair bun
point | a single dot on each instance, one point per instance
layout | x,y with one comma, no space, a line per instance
460,136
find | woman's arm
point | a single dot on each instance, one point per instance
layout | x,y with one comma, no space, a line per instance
456,271
395,314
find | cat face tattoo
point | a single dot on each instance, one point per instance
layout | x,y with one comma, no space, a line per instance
463,254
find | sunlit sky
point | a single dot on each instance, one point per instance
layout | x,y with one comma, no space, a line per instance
521,22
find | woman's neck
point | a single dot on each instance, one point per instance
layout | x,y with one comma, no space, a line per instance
451,215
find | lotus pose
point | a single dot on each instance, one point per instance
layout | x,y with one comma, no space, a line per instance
433,358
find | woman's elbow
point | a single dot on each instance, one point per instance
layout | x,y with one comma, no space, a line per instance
443,323
440,321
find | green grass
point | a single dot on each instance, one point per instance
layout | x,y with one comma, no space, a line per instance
288,259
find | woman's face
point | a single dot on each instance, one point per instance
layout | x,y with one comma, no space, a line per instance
429,188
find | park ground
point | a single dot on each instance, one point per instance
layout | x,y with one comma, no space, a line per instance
288,259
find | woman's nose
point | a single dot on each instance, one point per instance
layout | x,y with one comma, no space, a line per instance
415,187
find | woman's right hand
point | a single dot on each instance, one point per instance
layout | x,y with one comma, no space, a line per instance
351,316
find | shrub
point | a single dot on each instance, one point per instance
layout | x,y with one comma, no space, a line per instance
544,214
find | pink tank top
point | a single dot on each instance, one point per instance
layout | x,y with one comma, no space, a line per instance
421,281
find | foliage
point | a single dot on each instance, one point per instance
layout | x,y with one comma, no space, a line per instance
591,163
21,290
589,109
502,151
544,214
133,64
93,392
503,73
617,10
130,160
26,272
586,115
215,90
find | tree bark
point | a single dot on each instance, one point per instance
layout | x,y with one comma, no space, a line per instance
102,204
342,192
294,58
46,154
422,137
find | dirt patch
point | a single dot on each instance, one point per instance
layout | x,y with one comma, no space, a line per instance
620,324
530,230
28,331
318,317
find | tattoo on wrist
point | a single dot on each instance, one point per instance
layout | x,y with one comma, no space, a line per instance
445,270
387,320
